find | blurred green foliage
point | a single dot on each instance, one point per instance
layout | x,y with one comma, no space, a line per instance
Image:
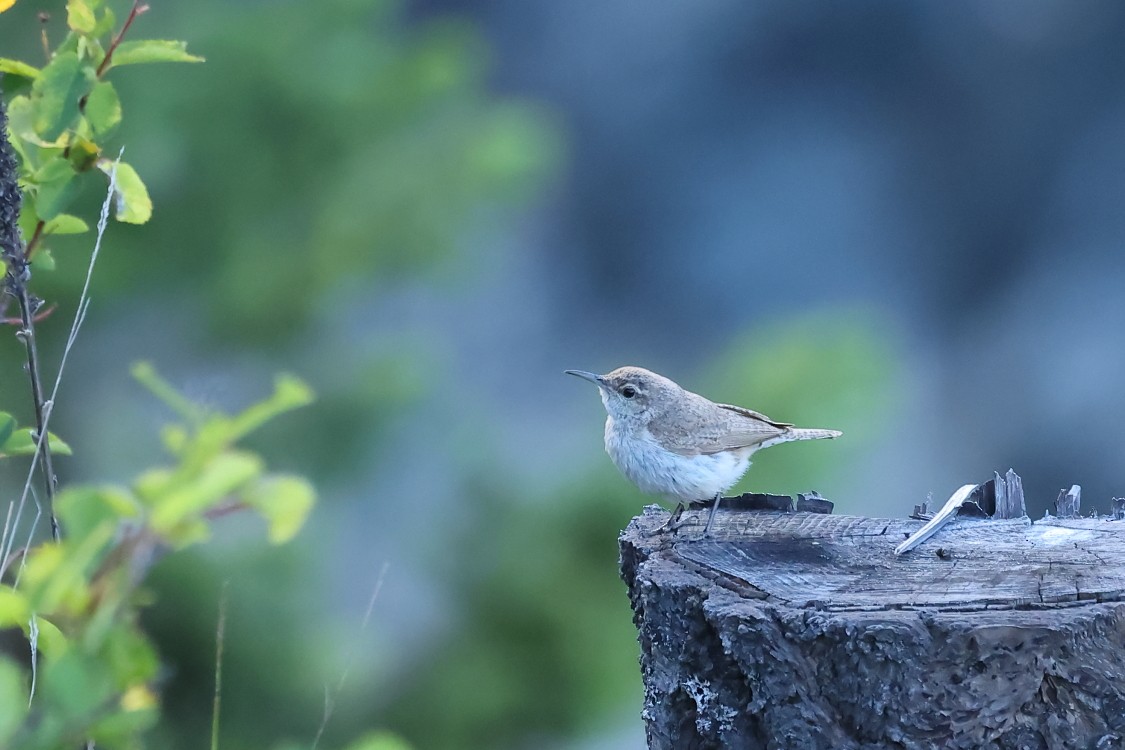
547,647
828,369
21,441
325,143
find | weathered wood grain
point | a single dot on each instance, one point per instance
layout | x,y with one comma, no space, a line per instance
1009,496
1069,502
801,630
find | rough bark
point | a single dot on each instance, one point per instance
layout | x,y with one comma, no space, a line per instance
804,630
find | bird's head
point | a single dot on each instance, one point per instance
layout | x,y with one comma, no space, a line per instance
629,392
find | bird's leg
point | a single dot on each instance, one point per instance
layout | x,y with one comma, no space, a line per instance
674,521
711,518
677,519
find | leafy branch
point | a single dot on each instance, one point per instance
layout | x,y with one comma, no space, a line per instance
78,592
56,129
74,598
137,9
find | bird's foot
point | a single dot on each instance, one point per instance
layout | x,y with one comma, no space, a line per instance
674,522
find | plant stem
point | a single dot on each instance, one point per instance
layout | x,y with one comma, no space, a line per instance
220,636
27,335
33,243
137,9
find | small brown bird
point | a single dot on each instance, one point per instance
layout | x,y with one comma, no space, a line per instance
675,443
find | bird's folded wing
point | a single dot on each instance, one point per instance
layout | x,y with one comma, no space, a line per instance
744,428
754,415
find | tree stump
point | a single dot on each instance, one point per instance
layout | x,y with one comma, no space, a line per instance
804,630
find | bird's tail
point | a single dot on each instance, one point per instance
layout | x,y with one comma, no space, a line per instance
801,433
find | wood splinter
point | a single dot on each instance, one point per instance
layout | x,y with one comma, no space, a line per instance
1069,502
952,505
1000,498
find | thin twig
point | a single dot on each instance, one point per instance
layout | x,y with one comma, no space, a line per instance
39,316
330,696
220,637
137,9
6,560
42,408
33,244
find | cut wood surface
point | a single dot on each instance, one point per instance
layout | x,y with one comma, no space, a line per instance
805,630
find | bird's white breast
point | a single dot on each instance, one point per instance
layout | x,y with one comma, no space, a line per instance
657,471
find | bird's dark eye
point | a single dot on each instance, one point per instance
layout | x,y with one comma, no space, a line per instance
628,391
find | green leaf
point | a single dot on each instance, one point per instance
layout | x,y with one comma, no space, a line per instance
80,16
29,216
146,375
188,532
52,642
13,696
130,656
56,574
223,476
152,51
75,686
84,509
21,121
151,485
21,443
21,117
65,224
44,259
132,202
56,93
56,188
90,49
18,68
285,502
290,392
105,24
20,144
103,108
14,609
121,728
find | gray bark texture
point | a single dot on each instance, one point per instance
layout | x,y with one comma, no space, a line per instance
804,630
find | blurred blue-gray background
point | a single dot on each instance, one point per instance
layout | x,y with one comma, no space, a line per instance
901,220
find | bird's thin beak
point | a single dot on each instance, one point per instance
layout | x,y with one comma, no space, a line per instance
597,380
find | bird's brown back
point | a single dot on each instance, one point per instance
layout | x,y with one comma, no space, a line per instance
696,425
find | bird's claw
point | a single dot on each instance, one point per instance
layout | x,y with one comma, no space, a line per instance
674,522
